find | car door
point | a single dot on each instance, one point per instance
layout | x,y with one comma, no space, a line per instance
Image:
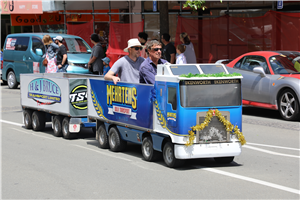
254,87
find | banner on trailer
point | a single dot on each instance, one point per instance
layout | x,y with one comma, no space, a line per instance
78,97
125,102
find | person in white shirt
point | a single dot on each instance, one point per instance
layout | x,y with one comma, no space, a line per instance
189,52
181,59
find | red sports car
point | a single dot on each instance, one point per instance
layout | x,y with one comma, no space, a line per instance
271,79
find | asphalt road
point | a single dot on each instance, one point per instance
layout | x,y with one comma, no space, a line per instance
37,165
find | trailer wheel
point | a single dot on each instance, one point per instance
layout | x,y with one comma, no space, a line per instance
38,120
102,138
169,156
224,160
57,126
27,118
148,152
65,128
114,139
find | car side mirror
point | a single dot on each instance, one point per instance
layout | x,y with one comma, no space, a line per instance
39,52
259,70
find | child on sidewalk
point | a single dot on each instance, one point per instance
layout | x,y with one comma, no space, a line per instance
106,67
181,57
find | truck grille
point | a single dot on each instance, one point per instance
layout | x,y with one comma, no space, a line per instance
215,131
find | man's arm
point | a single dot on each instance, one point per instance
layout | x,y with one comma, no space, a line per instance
172,59
65,56
110,76
147,75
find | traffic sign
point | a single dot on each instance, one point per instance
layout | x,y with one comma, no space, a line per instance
279,4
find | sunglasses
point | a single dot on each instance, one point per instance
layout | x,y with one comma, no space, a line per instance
156,49
137,48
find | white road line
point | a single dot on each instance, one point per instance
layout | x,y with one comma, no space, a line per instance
268,184
30,133
97,151
270,152
279,147
9,122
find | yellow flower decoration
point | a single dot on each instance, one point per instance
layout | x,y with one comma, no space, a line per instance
209,115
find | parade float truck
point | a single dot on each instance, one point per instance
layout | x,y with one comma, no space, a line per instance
60,98
192,111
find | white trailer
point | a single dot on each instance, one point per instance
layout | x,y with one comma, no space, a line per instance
60,98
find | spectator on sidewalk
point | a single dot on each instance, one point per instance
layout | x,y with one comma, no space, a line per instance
181,57
51,49
189,50
143,38
95,63
128,66
106,67
148,68
62,56
169,51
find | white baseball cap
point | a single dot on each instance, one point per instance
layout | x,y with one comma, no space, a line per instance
132,43
58,38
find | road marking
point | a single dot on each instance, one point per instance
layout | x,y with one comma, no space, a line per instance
30,133
97,151
279,147
270,152
253,180
9,122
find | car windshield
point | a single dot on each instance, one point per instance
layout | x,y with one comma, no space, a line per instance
76,45
282,64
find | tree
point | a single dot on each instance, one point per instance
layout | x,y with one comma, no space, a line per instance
196,4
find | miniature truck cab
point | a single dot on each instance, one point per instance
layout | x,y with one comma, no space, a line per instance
183,116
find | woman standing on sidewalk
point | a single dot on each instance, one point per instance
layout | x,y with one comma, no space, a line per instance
189,50
50,54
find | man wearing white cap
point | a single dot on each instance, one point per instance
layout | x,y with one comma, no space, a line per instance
62,56
128,66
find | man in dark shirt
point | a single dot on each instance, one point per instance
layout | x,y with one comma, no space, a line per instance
169,51
95,63
62,56
148,68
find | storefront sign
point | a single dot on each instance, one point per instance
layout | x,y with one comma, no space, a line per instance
36,19
21,7
154,5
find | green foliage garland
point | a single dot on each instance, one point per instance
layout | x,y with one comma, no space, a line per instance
221,74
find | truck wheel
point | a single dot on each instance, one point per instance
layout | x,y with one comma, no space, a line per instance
148,152
27,118
65,128
12,80
288,105
102,138
57,126
38,120
115,142
169,156
224,160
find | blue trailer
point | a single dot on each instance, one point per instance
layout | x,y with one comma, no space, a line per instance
192,111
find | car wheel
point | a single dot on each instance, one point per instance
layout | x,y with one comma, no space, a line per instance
288,105
102,137
38,120
169,156
114,139
57,126
27,118
224,160
12,80
148,152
